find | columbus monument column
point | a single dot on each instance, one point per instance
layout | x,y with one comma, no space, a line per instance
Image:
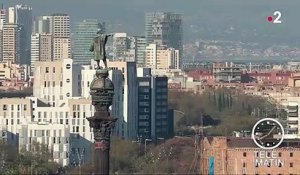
102,91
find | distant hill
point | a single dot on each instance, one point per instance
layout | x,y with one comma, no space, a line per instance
241,20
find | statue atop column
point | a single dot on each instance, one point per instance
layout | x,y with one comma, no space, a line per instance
102,91
98,47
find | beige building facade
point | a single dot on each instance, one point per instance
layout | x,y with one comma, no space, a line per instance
11,43
60,30
161,57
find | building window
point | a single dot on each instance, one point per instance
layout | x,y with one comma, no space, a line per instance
61,84
12,107
68,66
291,165
68,94
45,84
25,107
77,128
291,155
47,69
244,164
53,69
4,107
279,154
68,80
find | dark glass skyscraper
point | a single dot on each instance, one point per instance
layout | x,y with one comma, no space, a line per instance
85,31
23,17
164,28
154,119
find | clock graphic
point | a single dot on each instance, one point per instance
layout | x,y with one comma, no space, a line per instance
268,133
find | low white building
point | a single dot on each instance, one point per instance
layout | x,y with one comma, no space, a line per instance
55,136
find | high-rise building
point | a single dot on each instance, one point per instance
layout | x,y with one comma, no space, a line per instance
140,47
164,28
128,48
2,17
154,120
161,57
2,22
46,52
11,15
11,43
120,45
41,24
129,96
85,31
23,17
60,30
41,47
60,25
35,49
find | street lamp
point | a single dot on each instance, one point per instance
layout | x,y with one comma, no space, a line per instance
179,111
161,138
147,140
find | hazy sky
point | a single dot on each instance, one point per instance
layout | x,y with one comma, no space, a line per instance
211,17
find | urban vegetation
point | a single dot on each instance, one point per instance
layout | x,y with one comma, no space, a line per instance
223,111
37,161
171,156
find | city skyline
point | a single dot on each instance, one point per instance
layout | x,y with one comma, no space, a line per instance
173,76
203,19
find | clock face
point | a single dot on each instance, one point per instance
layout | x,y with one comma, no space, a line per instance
267,133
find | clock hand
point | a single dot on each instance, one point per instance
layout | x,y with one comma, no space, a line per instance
267,133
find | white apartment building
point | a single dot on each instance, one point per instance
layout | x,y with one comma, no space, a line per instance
61,98
55,136
161,57
57,81
16,112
